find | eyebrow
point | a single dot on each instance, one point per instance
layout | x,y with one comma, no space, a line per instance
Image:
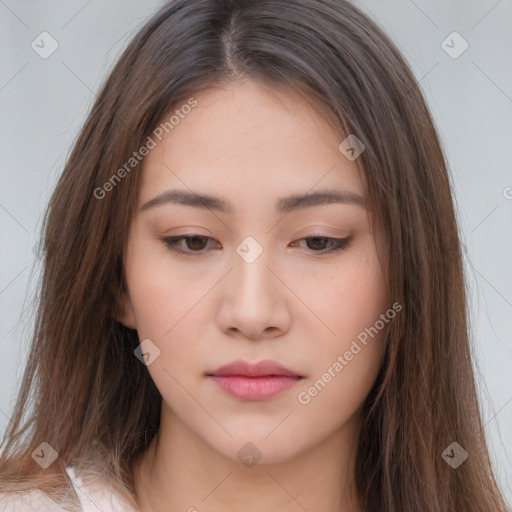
283,205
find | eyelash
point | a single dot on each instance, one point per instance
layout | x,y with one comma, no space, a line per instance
171,242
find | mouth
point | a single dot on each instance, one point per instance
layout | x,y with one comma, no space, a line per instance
258,381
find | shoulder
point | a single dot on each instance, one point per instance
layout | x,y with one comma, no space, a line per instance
95,495
29,501
92,493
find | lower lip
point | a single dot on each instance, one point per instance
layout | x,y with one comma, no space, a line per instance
254,388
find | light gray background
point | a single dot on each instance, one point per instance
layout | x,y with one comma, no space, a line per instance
44,102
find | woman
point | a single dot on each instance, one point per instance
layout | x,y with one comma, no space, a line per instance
253,294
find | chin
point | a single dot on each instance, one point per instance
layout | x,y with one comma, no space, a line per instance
250,450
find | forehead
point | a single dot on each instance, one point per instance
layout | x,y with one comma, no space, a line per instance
248,140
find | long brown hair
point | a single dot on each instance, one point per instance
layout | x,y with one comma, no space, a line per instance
95,403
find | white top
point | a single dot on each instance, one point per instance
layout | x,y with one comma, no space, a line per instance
94,497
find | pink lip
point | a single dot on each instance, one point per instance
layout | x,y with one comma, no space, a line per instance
254,381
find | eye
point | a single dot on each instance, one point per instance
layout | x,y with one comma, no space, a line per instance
319,243
196,245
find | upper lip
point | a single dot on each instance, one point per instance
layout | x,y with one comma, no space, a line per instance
259,369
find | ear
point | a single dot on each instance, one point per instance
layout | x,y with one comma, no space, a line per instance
123,311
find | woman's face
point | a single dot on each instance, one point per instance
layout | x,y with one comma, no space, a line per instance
260,281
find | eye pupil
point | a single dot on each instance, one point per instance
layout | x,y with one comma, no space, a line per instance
316,239
194,239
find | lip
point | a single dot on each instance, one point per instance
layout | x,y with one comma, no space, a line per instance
254,381
260,369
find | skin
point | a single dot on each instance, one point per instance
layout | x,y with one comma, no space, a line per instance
252,145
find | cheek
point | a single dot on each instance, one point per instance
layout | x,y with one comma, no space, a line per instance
163,299
336,394
350,302
345,367
347,296
172,307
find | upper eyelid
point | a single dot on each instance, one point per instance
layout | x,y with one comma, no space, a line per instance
197,235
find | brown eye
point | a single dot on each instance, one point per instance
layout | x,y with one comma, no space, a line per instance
193,244
196,242
318,243
326,245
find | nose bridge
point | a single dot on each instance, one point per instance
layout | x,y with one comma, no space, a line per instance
251,275
252,304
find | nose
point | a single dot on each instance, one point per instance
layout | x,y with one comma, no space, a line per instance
254,302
